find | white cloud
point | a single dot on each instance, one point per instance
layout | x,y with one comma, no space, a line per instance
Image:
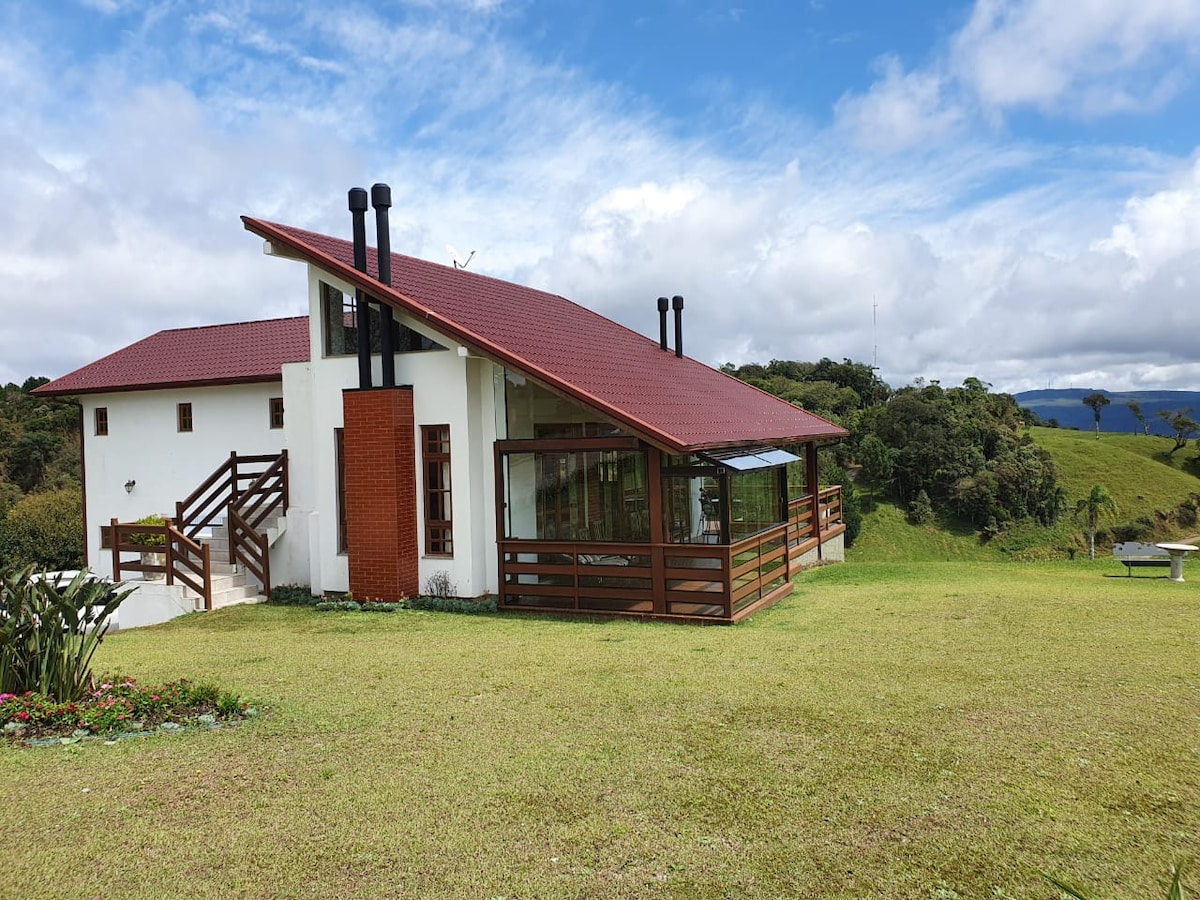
1083,58
900,110
121,201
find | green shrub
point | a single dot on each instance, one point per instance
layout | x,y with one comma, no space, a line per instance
452,604
49,633
1140,529
44,530
149,539
293,595
920,510
337,606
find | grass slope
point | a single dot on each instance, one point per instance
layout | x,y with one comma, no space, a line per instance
902,731
887,537
1134,468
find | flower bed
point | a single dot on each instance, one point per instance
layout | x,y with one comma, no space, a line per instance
119,705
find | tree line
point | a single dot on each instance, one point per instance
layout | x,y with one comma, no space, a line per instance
41,504
961,450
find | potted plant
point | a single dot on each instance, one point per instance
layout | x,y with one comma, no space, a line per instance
151,539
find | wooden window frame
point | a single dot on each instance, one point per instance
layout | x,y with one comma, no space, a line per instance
100,420
339,468
183,418
275,413
435,458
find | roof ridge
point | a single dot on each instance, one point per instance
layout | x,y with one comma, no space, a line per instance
224,325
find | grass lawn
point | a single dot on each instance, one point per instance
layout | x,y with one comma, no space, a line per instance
932,730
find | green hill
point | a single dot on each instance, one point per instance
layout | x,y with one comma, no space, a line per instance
1135,469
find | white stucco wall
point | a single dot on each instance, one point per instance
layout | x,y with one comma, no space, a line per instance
144,445
448,388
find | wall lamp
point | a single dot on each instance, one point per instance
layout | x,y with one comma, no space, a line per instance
129,486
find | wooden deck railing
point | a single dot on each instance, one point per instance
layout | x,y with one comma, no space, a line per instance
701,582
182,559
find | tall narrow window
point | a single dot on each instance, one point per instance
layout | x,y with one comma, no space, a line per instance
185,416
276,412
339,464
435,455
101,420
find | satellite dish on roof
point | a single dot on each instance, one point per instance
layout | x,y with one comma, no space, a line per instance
455,255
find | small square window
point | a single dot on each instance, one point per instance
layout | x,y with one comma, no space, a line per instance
185,417
101,421
276,412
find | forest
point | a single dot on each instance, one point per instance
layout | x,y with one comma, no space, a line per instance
962,451
41,518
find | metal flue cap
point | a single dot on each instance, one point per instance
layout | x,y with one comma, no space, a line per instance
358,199
662,304
381,196
676,302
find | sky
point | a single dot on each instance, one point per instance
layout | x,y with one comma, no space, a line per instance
1003,189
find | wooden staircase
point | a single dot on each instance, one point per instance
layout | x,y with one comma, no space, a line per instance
217,547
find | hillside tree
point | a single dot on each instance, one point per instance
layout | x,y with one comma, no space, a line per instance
1096,402
1091,510
1183,426
1136,409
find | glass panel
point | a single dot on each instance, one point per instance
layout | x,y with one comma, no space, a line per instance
340,322
696,609
796,472
534,412
693,509
754,502
586,496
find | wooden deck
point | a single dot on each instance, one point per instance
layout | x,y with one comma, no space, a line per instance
714,583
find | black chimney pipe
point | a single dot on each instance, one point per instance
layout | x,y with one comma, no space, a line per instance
362,315
663,305
677,305
381,199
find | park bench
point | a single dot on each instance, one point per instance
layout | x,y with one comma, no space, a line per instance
1132,553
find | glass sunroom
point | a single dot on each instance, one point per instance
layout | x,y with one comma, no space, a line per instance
593,519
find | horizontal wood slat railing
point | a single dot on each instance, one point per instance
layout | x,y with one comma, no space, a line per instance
182,559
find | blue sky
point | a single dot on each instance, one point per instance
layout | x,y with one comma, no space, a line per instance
1014,183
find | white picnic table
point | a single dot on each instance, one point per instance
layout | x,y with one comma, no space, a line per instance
1177,553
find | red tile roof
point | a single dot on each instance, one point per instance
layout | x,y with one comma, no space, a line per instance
677,403
214,354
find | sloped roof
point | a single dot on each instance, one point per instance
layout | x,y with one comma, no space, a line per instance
213,354
677,403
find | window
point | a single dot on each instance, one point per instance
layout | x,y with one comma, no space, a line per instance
276,412
339,321
339,464
185,416
101,420
596,495
435,456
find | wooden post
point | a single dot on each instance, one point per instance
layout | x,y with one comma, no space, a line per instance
812,476
170,554
116,553
655,510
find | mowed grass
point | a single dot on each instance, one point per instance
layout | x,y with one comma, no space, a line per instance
908,730
888,537
1135,468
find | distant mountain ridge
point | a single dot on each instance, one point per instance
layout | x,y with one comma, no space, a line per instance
1066,407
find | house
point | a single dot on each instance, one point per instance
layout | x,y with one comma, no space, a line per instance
426,423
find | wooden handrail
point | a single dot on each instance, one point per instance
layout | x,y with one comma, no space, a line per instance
250,548
177,549
246,507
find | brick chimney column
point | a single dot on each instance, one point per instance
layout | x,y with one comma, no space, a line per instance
379,441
